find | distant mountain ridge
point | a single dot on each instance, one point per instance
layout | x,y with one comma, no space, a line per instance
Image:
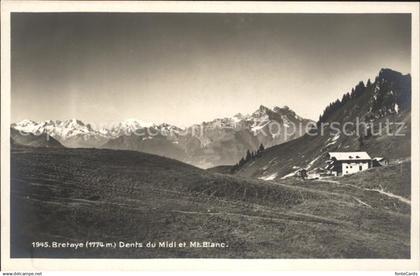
19,138
218,142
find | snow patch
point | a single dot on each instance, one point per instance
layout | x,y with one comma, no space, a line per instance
268,177
312,162
286,121
332,140
290,174
257,127
396,108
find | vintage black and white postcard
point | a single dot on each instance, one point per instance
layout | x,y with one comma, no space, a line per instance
210,135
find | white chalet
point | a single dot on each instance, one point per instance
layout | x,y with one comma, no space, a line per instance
342,163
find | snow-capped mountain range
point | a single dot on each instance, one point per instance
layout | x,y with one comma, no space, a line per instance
75,133
70,133
221,141
63,129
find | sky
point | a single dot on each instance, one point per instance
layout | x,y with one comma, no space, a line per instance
183,68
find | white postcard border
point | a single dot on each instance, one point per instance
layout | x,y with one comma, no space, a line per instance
41,264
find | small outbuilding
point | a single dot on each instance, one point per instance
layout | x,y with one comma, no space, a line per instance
380,161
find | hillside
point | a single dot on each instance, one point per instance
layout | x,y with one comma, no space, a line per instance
18,138
380,108
159,145
77,195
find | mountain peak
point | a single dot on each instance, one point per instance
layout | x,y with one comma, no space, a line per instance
386,73
136,123
238,117
74,121
26,122
280,109
263,108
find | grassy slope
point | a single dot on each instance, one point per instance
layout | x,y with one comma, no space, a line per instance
159,145
220,169
105,195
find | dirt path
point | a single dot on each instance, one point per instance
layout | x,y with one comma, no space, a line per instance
400,198
391,195
291,216
362,202
329,181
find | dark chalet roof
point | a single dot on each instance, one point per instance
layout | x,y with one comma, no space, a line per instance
349,156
